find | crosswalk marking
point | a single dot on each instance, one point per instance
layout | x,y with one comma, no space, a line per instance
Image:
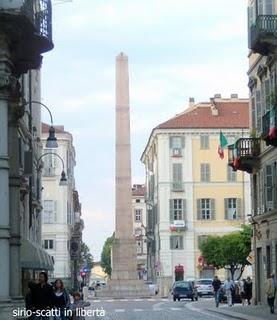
138,300
137,310
111,300
176,309
119,310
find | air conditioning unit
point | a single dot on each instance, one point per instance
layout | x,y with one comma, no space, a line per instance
177,152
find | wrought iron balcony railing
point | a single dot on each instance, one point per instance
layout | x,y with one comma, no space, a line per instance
243,155
263,34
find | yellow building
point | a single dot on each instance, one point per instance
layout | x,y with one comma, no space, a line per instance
191,192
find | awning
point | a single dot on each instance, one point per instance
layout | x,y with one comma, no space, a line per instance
34,257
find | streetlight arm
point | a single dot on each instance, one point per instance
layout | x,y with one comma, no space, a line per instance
42,104
45,154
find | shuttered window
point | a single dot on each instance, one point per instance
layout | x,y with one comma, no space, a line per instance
253,112
266,96
176,243
49,162
231,174
205,172
177,177
204,141
258,111
205,209
269,187
232,208
176,144
177,209
49,211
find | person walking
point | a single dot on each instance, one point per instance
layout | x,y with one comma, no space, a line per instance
61,301
228,287
248,290
216,285
242,292
77,305
270,290
40,297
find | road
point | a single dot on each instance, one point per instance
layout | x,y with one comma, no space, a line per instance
148,309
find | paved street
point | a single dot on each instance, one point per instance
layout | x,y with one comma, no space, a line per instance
150,309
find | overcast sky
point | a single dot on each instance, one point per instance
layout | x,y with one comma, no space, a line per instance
177,49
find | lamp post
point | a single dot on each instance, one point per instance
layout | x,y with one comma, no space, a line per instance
63,179
51,140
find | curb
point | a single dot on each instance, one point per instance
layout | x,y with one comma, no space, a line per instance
234,315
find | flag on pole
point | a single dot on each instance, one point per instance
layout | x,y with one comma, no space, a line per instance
222,144
272,128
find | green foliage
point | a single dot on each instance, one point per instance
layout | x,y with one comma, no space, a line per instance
228,251
86,257
106,255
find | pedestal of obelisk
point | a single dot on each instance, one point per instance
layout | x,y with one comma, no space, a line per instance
124,280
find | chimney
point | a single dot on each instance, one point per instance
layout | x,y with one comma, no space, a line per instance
217,96
234,96
191,102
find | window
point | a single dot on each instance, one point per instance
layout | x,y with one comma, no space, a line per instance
268,261
231,175
269,187
177,177
204,141
266,92
48,244
205,172
176,243
201,239
138,215
232,208
176,145
253,112
258,111
265,7
49,211
137,200
177,209
205,209
49,163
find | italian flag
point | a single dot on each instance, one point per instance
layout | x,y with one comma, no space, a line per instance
222,144
272,130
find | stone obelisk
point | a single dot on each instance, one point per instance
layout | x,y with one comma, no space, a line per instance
124,265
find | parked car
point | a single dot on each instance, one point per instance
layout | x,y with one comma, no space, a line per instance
184,290
204,287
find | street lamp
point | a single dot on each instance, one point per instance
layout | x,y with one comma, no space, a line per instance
63,179
51,142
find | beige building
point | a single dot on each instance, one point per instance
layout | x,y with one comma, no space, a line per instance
191,192
258,155
139,226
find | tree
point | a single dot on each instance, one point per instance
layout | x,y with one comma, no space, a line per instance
228,251
86,257
106,255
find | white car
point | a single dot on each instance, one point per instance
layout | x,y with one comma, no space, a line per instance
204,287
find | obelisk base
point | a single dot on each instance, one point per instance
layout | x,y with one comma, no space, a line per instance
124,281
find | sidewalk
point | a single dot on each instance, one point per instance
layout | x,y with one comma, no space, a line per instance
259,312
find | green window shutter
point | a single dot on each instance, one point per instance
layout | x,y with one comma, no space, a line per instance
170,142
171,242
184,207
208,172
183,142
171,215
226,208
239,208
212,209
181,243
199,209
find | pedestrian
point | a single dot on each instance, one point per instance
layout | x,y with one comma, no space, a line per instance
216,285
40,297
242,292
61,301
228,287
77,306
270,290
248,290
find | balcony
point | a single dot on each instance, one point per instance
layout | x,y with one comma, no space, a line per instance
28,25
244,154
263,35
269,123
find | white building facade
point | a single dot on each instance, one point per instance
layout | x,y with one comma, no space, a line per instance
57,201
139,227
